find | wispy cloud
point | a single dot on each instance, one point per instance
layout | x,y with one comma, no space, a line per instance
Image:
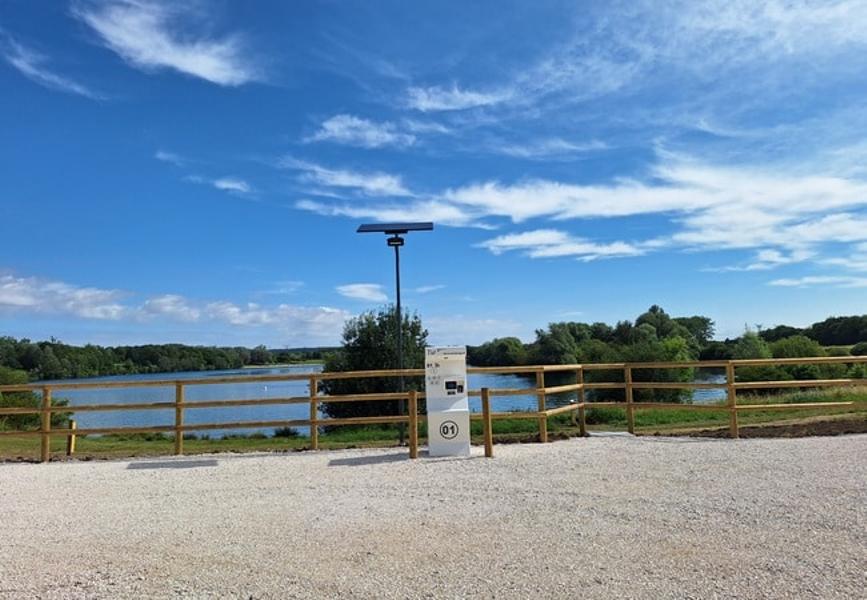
31,64
547,148
435,99
427,289
713,206
822,280
786,216
369,292
552,243
417,126
767,259
355,131
153,35
233,185
421,210
368,184
171,157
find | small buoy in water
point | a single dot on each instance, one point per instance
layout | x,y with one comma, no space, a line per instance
265,387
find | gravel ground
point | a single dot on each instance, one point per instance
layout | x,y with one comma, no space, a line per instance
597,518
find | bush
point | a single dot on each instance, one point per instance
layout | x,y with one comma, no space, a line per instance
26,400
859,349
286,432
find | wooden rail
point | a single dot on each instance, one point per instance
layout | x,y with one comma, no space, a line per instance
578,408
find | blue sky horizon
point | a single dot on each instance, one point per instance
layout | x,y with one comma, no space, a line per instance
195,172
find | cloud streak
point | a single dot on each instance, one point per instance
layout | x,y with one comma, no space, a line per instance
355,131
31,64
369,292
367,184
437,99
153,35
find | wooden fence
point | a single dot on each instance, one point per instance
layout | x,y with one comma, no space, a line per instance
313,399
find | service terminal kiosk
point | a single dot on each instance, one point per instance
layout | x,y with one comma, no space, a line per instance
448,410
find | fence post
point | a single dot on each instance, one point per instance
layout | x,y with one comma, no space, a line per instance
45,449
413,424
487,424
582,399
179,418
314,413
70,440
732,400
540,395
630,410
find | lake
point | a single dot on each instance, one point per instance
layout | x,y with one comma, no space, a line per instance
275,389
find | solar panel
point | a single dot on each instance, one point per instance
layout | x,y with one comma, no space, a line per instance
394,228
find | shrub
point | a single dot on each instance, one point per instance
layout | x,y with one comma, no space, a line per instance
286,432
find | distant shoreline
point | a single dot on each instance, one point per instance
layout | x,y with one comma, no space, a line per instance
312,361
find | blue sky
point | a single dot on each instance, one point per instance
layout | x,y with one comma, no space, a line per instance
196,173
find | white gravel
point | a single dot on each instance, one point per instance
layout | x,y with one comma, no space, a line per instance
596,518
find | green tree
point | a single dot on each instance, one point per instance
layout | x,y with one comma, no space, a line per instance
701,328
370,343
24,400
260,356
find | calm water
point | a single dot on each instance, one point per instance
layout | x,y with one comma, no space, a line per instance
276,389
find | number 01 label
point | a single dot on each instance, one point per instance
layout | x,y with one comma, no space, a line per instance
449,430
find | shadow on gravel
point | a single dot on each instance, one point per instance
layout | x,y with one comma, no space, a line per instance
359,461
172,464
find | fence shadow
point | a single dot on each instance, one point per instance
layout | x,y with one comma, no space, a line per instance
172,464
359,461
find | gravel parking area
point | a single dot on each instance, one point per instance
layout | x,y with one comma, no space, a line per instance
596,518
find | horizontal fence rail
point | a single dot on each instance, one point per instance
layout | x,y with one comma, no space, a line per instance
314,399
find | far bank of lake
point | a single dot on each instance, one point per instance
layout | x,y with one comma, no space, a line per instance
276,389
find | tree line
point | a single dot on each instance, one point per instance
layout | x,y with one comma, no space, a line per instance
655,336
55,360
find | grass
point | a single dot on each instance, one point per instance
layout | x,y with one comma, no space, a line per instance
647,421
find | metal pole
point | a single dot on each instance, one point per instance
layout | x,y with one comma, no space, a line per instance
401,408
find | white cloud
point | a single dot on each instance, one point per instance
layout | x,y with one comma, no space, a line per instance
368,184
822,280
786,215
431,99
547,148
31,64
768,259
170,157
32,295
152,35
728,207
354,131
422,210
426,127
855,260
172,305
36,295
232,184
371,292
551,243
427,289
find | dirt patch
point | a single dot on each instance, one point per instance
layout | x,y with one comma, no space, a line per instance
792,430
